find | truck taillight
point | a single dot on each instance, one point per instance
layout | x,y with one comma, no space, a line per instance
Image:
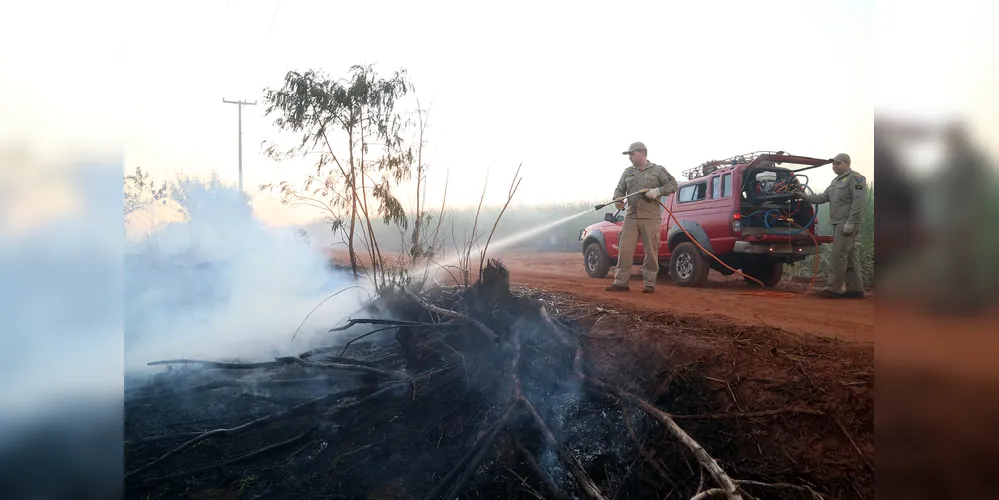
736,223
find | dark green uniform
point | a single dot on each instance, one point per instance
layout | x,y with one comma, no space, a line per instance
846,196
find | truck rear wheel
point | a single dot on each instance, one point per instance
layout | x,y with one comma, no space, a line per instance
596,261
769,272
688,266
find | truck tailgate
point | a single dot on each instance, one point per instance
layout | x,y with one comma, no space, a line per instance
783,238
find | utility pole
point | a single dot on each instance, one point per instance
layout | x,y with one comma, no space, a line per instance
240,105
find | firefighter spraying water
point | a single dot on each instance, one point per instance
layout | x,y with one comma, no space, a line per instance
743,215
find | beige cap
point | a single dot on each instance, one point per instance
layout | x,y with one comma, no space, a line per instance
843,157
635,146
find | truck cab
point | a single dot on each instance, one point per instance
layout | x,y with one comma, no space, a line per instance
739,209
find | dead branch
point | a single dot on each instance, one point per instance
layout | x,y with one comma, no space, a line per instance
481,443
854,444
585,482
730,488
366,321
748,414
358,368
282,361
649,459
553,490
475,225
222,365
355,339
208,468
705,459
713,492
440,218
394,323
662,417
514,184
295,410
323,302
473,465
350,361
781,486
447,268
477,452
454,314
219,384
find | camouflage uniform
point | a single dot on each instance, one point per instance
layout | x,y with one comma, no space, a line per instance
643,218
847,196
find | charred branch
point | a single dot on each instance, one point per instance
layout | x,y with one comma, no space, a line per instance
706,460
231,431
286,360
553,490
488,332
148,483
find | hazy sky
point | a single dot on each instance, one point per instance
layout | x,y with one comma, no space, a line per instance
556,85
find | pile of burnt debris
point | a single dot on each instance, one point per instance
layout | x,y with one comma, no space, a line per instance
461,392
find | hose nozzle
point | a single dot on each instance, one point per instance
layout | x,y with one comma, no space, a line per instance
616,200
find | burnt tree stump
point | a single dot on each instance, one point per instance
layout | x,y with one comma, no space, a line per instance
493,285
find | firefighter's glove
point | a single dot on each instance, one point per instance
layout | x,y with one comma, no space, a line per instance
849,229
797,194
652,194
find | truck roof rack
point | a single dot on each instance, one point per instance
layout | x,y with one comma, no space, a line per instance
709,167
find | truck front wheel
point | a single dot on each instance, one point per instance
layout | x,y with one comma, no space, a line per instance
769,272
596,261
688,266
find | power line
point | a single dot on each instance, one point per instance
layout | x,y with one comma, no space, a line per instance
240,105
274,17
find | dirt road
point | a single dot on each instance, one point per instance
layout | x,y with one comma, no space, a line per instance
724,297
728,298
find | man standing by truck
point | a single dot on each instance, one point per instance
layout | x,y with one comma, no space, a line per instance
847,196
644,216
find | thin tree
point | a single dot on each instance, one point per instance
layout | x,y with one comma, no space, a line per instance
360,112
141,192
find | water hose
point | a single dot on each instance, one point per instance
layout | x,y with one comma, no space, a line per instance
763,287
766,222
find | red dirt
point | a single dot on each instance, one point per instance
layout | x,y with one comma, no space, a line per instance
747,368
851,320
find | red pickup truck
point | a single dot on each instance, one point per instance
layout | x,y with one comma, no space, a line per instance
740,209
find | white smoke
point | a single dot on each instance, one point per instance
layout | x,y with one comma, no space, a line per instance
220,285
